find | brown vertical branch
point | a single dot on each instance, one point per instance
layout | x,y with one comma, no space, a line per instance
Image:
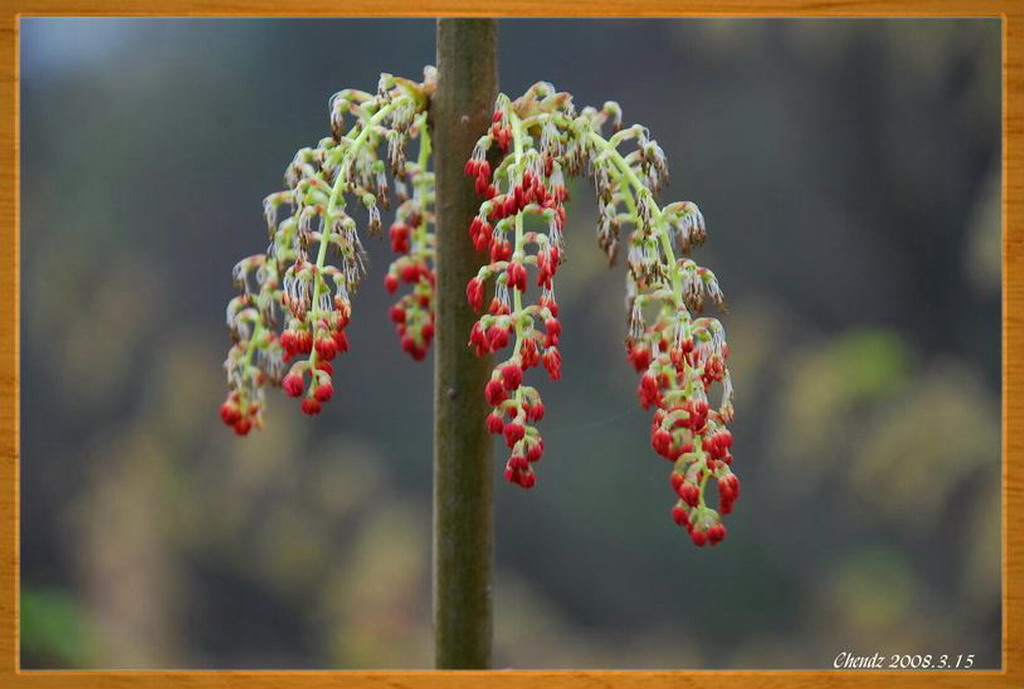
463,551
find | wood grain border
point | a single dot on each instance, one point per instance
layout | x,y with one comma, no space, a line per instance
1012,672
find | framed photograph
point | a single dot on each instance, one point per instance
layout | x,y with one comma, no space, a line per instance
637,346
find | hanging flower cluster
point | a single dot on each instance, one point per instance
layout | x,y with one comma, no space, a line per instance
288,323
540,140
412,236
527,183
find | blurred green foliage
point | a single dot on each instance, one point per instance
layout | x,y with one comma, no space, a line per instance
54,628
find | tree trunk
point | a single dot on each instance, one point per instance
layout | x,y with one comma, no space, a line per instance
463,541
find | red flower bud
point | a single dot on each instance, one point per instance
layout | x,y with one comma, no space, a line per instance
497,337
495,392
528,353
311,406
544,272
413,349
410,272
326,348
516,273
517,463
344,310
680,515
512,374
324,391
649,391
229,413
514,432
397,314
482,238
243,426
475,293
521,196
728,491
497,207
478,339
400,238
535,451
521,477
391,282
553,363
540,193
661,441
495,423
293,384
498,308
341,340
505,138
289,343
555,256
553,329
501,250
689,492
640,357
677,480
549,303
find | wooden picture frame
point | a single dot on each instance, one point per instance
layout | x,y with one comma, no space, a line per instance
1012,672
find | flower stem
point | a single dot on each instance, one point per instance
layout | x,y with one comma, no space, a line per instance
337,195
517,297
630,176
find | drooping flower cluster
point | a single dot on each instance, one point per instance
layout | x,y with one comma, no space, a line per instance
294,305
527,183
412,237
288,322
541,141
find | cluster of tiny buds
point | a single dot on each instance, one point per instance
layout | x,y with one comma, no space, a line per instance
680,361
519,168
539,140
327,339
528,183
294,287
255,355
411,237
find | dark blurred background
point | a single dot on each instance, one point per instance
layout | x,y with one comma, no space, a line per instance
849,171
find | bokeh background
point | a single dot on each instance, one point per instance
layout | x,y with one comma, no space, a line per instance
849,174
